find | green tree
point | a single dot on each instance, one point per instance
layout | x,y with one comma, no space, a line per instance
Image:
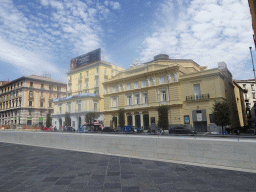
67,120
90,117
121,118
163,117
221,114
48,120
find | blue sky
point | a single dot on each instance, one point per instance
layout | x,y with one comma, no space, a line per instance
39,36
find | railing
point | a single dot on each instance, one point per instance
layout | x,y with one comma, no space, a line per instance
198,97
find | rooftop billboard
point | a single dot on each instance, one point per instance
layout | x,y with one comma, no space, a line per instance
85,59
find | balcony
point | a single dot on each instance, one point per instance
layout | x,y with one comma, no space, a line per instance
198,97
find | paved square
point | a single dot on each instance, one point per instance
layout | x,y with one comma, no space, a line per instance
29,168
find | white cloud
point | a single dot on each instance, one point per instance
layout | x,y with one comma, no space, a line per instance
33,41
115,5
206,31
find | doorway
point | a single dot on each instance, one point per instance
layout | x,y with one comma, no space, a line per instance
146,121
129,120
137,121
200,126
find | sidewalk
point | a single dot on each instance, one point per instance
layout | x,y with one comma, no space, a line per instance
36,169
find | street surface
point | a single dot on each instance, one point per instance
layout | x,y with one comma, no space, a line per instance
36,169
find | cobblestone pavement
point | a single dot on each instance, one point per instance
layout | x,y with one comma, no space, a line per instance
36,169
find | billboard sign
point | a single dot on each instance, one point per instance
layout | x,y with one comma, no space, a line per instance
85,59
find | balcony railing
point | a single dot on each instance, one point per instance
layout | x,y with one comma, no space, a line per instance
198,97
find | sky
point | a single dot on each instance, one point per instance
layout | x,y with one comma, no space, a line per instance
42,36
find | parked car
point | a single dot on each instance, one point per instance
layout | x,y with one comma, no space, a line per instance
155,131
108,129
47,129
82,129
68,129
131,128
181,130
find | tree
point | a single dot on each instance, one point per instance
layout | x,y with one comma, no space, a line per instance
67,120
163,116
221,114
48,120
121,118
90,117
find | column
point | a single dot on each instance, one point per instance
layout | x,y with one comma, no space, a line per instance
133,119
141,120
125,119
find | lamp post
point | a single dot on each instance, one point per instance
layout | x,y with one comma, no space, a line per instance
253,65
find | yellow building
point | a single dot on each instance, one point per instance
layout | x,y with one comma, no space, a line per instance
187,88
84,89
27,100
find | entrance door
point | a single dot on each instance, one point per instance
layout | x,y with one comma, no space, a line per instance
145,121
79,122
129,120
114,119
200,126
137,121
60,123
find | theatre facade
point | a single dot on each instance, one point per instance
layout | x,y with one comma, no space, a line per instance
188,89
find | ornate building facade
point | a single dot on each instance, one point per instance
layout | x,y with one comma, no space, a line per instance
27,100
188,89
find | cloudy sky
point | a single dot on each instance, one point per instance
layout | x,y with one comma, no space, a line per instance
38,36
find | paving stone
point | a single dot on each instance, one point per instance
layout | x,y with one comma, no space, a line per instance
34,169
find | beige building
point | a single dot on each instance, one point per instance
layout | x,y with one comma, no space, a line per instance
188,89
249,99
85,89
27,100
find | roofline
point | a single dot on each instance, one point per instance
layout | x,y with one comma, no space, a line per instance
28,77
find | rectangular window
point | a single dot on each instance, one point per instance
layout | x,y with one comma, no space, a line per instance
145,98
97,82
87,73
41,113
137,99
252,86
175,76
162,80
41,104
197,91
60,109
42,94
114,104
58,88
30,103
30,94
31,84
129,100
105,71
42,86
79,106
253,95
163,95
50,104
136,85
129,86
29,112
144,83
114,89
244,86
